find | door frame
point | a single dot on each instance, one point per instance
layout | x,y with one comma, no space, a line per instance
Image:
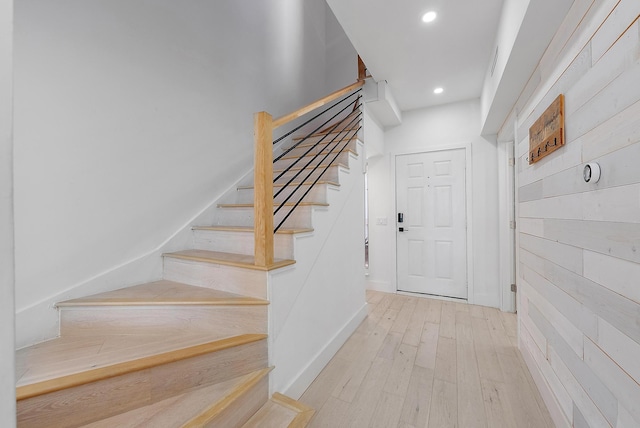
507,224
469,211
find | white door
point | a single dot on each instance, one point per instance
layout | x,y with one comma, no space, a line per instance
432,238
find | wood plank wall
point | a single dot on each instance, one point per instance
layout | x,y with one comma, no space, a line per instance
579,243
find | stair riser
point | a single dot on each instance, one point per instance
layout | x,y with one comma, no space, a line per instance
99,400
281,411
294,162
240,242
225,321
317,194
322,147
247,282
331,174
243,216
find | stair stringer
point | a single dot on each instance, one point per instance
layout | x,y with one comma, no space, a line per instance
317,303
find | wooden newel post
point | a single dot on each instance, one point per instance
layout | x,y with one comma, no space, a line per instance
263,188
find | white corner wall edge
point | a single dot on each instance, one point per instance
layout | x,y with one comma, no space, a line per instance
40,321
506,235
301,382
7,267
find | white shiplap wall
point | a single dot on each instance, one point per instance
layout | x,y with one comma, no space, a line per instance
579,243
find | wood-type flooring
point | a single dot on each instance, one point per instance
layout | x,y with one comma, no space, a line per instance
417,362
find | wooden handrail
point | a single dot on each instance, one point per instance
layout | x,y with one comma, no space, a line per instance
264,125
314,105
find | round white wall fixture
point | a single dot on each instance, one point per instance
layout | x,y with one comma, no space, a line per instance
591,172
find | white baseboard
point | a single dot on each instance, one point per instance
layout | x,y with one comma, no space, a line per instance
383,286
301,382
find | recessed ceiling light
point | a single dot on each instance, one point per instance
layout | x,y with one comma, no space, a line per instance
438,90
429,16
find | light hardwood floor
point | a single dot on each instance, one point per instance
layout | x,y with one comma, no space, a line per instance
417,362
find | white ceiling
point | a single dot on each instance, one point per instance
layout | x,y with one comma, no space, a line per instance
453,52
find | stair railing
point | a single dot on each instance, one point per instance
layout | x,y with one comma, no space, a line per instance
337,132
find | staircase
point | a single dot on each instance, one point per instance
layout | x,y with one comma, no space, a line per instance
189,350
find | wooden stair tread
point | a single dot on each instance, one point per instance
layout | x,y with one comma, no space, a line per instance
67,362
227,259
288,204
250,229
182,409
295,183
163,293
281,411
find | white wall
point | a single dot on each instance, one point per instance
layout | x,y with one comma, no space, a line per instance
7,368
132,117
320,301
423,130
579,264
373,134
341,57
